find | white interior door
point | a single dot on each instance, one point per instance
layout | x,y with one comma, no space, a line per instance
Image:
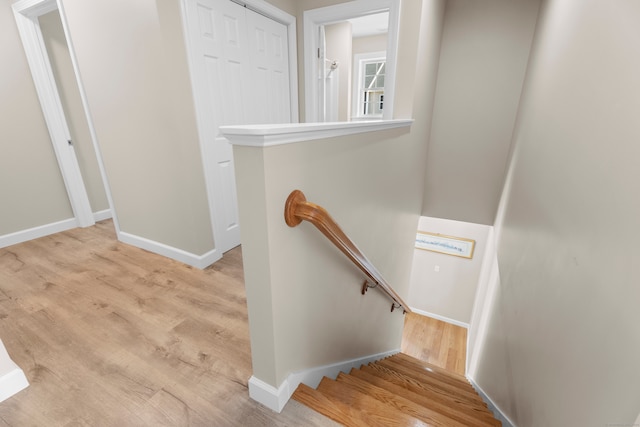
241,76
269,67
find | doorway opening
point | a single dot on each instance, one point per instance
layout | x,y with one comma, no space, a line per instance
42,27
328,98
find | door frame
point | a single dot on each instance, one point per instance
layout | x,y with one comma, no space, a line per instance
26,13
198,82
313,19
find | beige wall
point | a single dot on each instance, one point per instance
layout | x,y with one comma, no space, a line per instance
445,285
289,6
485,49
313,313
368,44
564,346
305,306
32,192
132,60
58,51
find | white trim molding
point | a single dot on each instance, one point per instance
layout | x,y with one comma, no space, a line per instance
270,135
442,318
37,232
102,215
197,261
506,422
12,378
275,398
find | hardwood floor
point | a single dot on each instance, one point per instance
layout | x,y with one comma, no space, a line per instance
111,335
439,343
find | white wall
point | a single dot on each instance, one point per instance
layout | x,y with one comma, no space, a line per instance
449,293
563,339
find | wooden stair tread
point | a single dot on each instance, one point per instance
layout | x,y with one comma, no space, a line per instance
434,393
431,366
398,402
399,391
459,412
433,381
434,371
375,412
330,407
421,370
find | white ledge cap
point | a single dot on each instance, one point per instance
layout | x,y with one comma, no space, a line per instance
288,133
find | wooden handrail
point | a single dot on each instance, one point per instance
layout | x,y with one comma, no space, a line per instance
297,209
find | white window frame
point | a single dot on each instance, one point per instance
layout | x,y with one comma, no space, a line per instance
359,60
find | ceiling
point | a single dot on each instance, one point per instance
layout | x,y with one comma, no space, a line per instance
370,25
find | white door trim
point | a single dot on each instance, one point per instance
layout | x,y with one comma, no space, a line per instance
197,81
314,18
26,13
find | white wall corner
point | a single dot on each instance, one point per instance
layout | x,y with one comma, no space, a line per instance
506,422
275,399
37,232
12,379
197,261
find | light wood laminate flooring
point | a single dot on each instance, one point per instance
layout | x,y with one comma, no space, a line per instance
111,335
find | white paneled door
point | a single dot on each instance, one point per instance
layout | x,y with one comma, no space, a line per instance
240,69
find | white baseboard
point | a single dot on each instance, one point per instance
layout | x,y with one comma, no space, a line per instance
102,215
36,232
506,422
197,261
271,397
438,317
275,398
12,379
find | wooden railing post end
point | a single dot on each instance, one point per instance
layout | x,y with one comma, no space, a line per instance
290,206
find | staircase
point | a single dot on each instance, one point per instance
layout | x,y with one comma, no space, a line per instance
398,391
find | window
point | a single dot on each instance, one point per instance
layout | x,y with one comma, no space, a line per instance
373,89
369,78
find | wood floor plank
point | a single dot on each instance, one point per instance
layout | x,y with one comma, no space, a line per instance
399,403
332,408
433,371
112,335
431,381
439,343
378,413
458,412
419,387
